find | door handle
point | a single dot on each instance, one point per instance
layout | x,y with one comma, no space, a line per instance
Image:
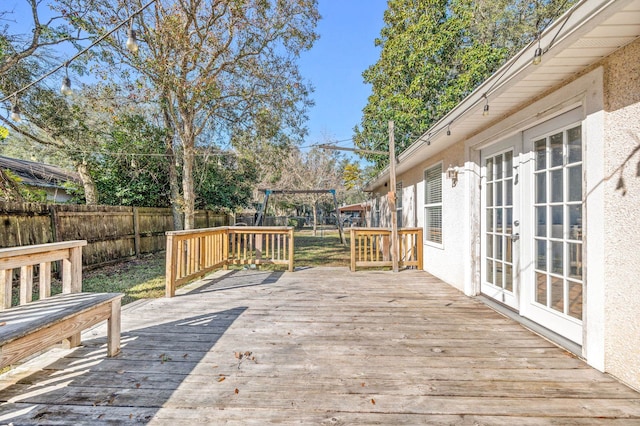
515,237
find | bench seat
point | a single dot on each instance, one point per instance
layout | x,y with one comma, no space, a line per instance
33,327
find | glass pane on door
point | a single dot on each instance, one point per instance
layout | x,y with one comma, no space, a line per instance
558,223
499,190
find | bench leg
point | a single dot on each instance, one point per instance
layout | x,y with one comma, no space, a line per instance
113,329
72,342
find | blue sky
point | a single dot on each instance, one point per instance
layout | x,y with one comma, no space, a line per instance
335,64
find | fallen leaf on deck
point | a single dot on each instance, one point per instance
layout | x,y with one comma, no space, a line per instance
120,371
137,385
362,384
237,391
3,323
373,401
185,356
221,379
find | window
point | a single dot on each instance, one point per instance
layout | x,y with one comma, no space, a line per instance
433,204
399,195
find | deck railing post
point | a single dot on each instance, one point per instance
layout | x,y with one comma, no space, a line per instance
291,247
171,265
6,278
419,249
258,247
225,248
26,284
72,271
352,243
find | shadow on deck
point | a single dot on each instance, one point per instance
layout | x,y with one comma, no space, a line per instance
318,346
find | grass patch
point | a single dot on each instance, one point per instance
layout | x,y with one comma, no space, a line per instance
141,278
324,249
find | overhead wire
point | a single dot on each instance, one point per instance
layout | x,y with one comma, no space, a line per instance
77,55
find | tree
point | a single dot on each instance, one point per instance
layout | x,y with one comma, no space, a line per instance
51,120
23,57
216,65
434,53
15,48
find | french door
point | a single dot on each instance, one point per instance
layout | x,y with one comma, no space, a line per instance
531,224
554,297
500,216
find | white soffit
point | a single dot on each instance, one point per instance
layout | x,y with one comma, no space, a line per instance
590,31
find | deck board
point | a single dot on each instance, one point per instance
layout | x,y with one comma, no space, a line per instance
327,347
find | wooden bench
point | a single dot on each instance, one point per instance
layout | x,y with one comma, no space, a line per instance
32,326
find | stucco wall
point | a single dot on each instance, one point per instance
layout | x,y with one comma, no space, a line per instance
444,261
621,214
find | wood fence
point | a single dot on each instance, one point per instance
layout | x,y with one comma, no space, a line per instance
193,254
113,233
371,247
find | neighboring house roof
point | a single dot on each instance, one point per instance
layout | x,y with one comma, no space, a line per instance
38,174
354,208
588,32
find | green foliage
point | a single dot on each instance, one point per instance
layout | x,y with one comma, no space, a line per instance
12,189
224,182
134,170
352,176
436,52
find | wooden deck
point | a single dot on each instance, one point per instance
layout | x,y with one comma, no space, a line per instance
317,346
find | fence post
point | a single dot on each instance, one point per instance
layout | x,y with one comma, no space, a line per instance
54,223
136,231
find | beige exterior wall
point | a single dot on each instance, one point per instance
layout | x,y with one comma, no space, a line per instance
621,214
443,260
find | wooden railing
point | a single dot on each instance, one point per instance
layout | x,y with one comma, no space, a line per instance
194,253
371,247
27,258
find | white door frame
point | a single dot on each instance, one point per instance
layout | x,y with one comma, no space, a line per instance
511,298
567,327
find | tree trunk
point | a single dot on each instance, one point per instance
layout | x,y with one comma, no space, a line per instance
174,186
174,189
187,186
315,218
90,191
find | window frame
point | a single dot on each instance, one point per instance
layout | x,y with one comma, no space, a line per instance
433,205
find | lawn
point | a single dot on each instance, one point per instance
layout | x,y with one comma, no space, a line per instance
324,249
141,278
